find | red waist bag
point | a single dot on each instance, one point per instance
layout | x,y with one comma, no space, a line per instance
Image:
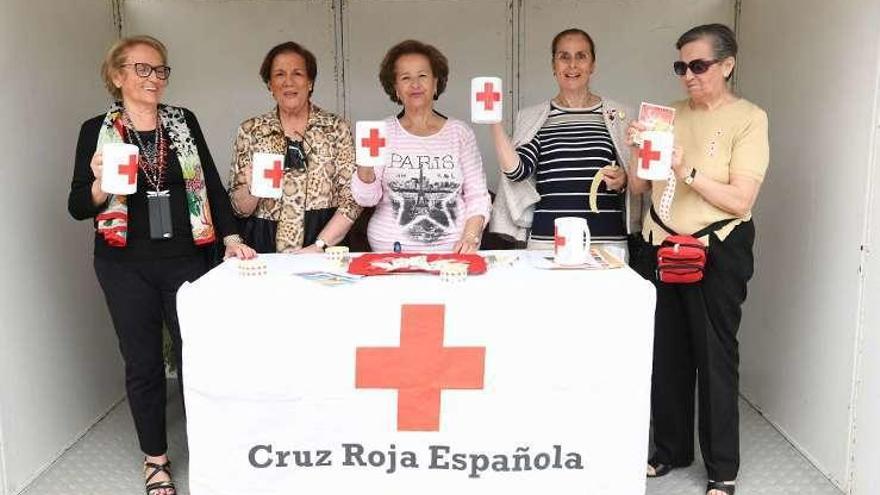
681,259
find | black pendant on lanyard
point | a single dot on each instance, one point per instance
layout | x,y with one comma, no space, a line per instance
153,166
159,206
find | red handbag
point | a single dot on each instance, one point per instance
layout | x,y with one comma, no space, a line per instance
681,259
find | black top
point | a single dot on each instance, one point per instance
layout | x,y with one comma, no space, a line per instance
139,246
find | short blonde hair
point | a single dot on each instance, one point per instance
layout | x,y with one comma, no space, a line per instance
115,57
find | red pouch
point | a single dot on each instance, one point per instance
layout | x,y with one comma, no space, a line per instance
681,259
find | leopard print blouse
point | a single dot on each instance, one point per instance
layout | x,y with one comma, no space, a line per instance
325,183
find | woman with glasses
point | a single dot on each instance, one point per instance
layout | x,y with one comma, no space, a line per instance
316,209
719,160
431,193
149,243
558,148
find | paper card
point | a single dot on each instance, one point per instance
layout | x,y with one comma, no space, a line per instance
656,117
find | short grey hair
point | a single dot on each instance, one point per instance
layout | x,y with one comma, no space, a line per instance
723,40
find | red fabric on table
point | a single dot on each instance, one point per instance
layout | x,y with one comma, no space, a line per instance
363,265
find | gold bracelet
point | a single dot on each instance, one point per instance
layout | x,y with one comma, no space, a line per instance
232,240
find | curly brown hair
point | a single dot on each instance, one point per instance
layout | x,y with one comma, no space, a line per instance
290,47
439,66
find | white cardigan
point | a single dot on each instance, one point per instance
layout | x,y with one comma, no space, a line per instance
515,201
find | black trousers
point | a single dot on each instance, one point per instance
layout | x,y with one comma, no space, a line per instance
141,296
695,342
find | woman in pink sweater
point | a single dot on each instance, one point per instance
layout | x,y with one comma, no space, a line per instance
431,193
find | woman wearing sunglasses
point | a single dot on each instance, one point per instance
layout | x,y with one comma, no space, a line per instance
316,208
719,160
149,243
431,193
558,149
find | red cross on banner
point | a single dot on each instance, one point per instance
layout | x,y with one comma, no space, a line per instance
420,368
648,155
275,173
374,142
488,96
130,169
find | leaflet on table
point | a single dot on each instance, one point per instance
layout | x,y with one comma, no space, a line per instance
329,279
599,259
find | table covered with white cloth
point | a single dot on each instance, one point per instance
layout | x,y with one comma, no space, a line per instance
518,381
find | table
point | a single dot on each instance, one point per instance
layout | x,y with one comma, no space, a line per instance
518,381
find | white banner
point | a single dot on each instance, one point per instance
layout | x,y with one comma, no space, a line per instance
517,381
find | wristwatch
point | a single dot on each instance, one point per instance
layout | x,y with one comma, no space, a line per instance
320,244
690,177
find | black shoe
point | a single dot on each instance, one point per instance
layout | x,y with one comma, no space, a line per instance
150,471
660,469
721,486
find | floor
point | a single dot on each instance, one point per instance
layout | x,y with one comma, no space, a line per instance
104,462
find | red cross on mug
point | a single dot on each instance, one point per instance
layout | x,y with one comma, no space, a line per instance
488,96
130,169
275,173
374,142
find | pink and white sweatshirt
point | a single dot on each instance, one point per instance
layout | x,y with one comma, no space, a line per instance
427,189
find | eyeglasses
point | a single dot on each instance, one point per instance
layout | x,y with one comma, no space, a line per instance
144,70
697,66
295,158
566,57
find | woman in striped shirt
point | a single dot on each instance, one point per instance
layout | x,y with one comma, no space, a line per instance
558,148
431,193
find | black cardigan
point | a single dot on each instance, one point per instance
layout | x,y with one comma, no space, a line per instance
139,246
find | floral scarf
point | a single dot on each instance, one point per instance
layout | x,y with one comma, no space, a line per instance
113,220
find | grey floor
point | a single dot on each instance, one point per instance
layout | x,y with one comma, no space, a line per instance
105,462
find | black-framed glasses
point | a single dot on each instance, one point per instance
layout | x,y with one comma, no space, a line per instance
144,70
295,157
697,66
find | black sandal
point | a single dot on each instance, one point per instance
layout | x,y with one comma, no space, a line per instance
721,486
159,485
660,469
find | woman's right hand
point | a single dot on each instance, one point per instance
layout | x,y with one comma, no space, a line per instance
97,164
367,175
633,131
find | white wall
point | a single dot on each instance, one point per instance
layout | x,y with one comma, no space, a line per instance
215,65
866,457
812,65
59,369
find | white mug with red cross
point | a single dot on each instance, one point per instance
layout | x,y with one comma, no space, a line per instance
267,175
120,168
655,155
486,100
371,143
571,240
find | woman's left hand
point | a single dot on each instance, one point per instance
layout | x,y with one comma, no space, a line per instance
469,243
614,177
240,250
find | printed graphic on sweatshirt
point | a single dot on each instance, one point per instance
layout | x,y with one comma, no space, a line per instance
424,194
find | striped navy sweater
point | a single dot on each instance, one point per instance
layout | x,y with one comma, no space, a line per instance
565,154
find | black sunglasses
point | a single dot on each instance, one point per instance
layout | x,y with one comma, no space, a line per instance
697,66
295,158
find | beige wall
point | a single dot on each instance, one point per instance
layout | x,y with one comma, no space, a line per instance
59,370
